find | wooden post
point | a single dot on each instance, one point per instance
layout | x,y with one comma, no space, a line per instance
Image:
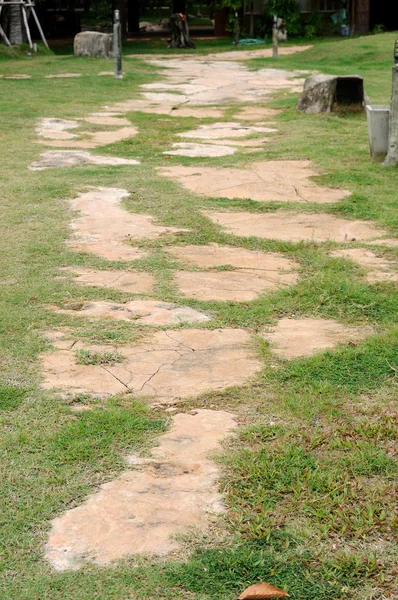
392,156
275,38
236,29
39,26
25,21
117,45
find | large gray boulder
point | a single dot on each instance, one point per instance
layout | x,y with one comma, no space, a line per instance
325,93
93,43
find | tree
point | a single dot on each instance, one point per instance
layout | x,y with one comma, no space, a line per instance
15,20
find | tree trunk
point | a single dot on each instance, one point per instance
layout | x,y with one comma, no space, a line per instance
180,32
15,16
133,16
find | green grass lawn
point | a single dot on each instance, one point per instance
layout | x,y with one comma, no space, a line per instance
310,481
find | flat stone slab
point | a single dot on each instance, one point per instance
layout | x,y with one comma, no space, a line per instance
293,227
294,338
255,272
198,112
143,510
107,120
63,75
58,159
56,129
16,76
103,227
218,131
234,55
200,150
379,269
267,181
94,138
170,365
133,282
255,113
146,312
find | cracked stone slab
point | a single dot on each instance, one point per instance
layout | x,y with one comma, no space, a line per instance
378,268
143,510
279,181
103,227
16,76
198,112
133,282
170,365
56,129
255,272
235,55
245,143
293,227
107,120
146,312
200,150
218,131
58,159
294,338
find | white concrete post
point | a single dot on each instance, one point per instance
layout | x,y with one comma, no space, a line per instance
275,38
117,45
392,156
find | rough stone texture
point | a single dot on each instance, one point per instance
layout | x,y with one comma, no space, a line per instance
279,181
293,338
254,272
126,281
293,227
170,365
63,75
56,129
141,511
200,150
146,312
95,138
103,226
379,269
386,242
235,55
392,155
94,44
245,143
56,159
321,92
219,131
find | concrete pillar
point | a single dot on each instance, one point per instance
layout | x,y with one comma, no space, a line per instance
392,156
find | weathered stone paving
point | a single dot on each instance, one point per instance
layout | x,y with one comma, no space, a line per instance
200,150
295,338
147,312
57,159
56,133
169,365
254,273
104,228
294,227
126,281
378,268
143,510
279,181
220,131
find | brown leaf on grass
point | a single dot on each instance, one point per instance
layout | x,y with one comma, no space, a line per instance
262,590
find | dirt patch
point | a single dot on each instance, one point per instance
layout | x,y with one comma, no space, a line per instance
279,181
293,227
219,131
126,281
379,269
293,338
146,312
254,272
200,150
170,365
103,227
58,159
386,242
141,511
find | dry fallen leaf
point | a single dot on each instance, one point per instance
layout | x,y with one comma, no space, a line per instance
262,590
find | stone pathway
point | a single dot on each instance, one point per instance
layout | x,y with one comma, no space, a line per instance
142,510
175,490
